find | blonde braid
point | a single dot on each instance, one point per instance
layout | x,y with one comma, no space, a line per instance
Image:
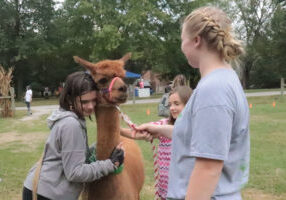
215,27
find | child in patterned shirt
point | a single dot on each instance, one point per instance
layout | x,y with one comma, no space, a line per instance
178,98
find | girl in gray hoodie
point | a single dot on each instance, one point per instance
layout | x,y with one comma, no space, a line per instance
64,167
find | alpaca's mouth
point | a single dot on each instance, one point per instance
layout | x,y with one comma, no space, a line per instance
121,99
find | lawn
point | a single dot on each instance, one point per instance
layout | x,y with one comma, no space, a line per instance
21,144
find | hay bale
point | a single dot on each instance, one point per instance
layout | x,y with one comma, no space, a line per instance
5,82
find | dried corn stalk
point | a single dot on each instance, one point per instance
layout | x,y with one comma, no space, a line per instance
5,81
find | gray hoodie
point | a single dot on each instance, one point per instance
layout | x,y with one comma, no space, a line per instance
64,169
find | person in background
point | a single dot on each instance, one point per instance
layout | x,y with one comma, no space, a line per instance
210,141
60,89
28,99
66,164
178,98
163,109
179,80
163,106
46,92
141,83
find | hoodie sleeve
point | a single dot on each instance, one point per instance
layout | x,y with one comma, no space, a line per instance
73,147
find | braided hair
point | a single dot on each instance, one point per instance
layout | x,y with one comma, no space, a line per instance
213,25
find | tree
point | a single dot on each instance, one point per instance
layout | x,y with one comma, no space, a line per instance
25,37
149,29
278,42
252,19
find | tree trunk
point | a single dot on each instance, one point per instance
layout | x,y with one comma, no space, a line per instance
246,74
19,82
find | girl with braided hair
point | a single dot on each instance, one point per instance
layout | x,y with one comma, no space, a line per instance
210,139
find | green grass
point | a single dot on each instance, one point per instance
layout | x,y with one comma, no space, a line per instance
262,90
268,145
39,102
268,148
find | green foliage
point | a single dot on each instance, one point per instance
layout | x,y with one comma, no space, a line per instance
258,24
45,39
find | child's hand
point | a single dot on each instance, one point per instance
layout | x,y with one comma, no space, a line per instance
148,128
141,135
117,155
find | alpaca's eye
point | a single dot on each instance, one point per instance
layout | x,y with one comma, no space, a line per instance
103,81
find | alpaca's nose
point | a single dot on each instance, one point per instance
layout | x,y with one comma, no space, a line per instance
123,88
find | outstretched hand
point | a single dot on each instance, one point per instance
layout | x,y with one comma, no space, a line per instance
142,135
147,129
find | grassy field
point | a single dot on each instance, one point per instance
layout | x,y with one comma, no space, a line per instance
21,144
262,90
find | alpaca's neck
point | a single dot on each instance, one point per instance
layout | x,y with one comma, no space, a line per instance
108,130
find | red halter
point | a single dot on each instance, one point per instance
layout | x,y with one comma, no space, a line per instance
112,83
105,90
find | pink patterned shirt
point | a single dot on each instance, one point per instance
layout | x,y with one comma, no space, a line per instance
163,159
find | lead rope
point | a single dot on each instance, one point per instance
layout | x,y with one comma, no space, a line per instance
127,120
37,176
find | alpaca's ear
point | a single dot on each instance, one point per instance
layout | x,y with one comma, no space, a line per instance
88,65
126,57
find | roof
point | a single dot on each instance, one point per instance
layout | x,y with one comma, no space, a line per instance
132,75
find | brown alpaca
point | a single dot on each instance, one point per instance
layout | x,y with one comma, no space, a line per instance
127,184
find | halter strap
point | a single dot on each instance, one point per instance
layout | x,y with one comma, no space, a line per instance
108,90
112,83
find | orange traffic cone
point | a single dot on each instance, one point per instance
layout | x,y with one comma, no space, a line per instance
148,111
274,104
250,105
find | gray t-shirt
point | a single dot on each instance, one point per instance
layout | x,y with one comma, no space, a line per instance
214,125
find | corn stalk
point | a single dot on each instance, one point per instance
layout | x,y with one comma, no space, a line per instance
5,81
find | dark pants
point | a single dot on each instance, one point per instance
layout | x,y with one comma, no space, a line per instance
28,105
27,195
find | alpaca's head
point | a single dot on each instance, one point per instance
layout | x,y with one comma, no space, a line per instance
107,75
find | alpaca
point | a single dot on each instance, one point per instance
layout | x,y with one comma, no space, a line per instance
127,184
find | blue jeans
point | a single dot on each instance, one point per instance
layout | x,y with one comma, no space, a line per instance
28,106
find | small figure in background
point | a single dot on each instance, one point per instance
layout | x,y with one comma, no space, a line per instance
163,108
179,80
60,88
46,93
141,83
28,99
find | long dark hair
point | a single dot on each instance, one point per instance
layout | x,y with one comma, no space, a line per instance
184,93
76,85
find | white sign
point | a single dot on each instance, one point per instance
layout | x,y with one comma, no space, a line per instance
144,92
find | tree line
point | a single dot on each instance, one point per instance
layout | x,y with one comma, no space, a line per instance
39,37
